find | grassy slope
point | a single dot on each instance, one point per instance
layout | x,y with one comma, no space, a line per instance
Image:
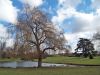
52,71
76,60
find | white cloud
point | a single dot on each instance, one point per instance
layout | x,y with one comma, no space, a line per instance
87,21
69,3
10,42
65,10
4,36
84,24
63,14
98,11
95,3
3,32
74,37
82,21
33,3
8,12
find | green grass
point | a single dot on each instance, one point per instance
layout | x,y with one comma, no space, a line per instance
64,59
10,59
75,60
52,71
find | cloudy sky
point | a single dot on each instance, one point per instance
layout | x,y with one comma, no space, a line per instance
78,18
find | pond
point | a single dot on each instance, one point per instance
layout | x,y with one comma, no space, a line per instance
30,64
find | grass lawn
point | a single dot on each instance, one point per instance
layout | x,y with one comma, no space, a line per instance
75,60
64,59
51,71
10,59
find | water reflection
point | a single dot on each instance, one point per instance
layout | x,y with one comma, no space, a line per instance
28,64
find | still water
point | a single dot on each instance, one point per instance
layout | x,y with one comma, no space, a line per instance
29,64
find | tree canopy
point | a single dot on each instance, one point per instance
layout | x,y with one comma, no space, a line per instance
86,46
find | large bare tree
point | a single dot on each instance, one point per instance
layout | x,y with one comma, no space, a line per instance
36,29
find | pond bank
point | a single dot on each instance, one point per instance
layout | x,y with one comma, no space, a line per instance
30,64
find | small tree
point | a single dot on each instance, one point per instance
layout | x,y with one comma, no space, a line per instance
37,31
86,46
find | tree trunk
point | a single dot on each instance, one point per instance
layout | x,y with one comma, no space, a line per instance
39,57
39,62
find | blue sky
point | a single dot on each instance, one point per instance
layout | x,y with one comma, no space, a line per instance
78,18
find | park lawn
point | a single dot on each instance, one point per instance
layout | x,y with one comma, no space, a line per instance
63,59
73,60
9,60
51,71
